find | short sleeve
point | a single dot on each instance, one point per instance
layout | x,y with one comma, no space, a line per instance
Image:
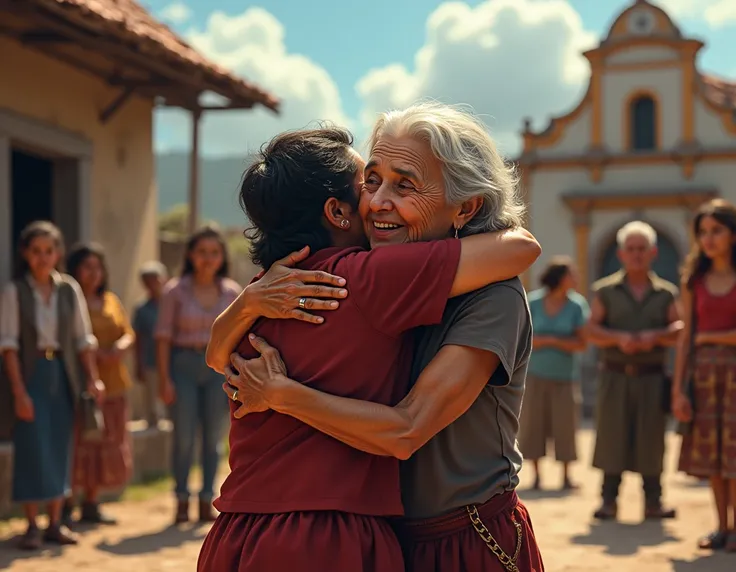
400,287
167,311
9,318
494,319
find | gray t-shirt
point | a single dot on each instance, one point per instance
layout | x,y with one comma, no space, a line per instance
476,456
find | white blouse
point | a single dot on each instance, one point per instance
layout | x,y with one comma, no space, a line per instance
47,318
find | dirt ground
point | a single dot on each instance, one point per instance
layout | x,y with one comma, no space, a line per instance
570,541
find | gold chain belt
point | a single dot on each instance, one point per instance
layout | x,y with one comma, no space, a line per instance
508,562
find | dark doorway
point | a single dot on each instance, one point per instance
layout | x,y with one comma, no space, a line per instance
31,190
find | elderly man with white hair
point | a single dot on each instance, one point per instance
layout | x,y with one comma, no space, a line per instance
634,319
456,429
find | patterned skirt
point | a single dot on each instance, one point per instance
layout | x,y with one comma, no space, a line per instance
107,463
709,448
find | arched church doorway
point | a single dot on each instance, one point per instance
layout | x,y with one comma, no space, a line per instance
666,265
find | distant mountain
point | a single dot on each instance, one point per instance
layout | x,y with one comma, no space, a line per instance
219,184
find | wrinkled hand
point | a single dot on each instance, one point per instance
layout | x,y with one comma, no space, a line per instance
277,293
253,382
24,407
682,409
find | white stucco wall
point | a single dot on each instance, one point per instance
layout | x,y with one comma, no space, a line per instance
641,54
709,129
123,194
617,87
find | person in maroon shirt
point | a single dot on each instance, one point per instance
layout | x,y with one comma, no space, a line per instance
456,428
297,499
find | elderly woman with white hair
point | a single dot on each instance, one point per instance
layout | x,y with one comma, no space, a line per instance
634,319
433,173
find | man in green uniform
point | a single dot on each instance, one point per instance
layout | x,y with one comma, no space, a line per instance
634,318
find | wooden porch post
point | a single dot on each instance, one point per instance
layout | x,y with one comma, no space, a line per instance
194,173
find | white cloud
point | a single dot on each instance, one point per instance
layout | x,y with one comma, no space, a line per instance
721,13
251,44
176,13
716,13
506,58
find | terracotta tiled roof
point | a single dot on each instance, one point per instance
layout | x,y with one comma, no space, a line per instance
719,91
130,24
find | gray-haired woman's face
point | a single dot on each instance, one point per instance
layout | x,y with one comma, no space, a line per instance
403,197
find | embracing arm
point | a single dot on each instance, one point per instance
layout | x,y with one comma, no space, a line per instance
275,295
227,331
493,257
446,388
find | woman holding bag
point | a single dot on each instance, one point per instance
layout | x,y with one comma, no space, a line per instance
706,400
48,350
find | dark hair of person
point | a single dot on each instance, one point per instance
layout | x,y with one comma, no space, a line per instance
555,271
204,233
81,252
34,230
697,263
284,191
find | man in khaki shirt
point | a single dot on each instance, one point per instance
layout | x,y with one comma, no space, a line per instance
634,318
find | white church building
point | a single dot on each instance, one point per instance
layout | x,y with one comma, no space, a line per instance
652,138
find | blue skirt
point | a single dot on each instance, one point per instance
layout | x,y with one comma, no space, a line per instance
43,447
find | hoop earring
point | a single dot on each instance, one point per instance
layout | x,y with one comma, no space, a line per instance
344,223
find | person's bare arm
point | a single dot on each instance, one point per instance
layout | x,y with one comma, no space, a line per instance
493,257
666,337
725,338
275,295
595,332
446,388
569,344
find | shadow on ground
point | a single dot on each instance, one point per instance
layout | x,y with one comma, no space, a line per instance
717,562
9,552
621,539
539,494
169,537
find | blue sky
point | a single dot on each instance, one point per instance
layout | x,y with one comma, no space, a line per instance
328,47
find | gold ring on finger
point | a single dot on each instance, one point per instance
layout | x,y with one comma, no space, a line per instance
235,395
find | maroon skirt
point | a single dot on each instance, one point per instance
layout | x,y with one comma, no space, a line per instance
300,542
107,463
452,543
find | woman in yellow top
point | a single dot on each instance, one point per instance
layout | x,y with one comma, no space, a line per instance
107,463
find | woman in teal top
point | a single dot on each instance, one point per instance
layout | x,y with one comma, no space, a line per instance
551,402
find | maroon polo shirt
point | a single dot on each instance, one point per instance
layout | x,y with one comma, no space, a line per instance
362,350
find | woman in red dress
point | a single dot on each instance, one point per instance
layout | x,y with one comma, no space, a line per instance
297,500
706,400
